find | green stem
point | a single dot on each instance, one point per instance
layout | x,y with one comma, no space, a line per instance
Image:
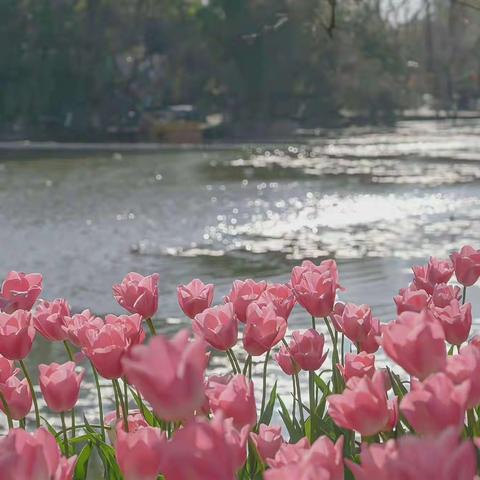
99,397
314,326
294,397
245,367
235,361
65,438
34,396
22,423
81,426
151,327
125,394
343,349
300,403
311,391
6,410
464,295
232,362
116,385
264,393
68,350
335,359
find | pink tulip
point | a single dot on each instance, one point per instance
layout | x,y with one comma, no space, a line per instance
140,453
17,396
169,374
357,365
316,293
60,385
467,265
199,451
358,324
323,461
456,321
410,458
286,361
217,326
236,440
28,456
290,453
416,342
6,369
131,326
281,297
363,406
48,319
439,271
443,294
435,404
411,300
105,348
138,294
307,349
328,267
268,441
20,291
242,294
465,367
263,330
135,421
76,326
234,398
195,297
16,334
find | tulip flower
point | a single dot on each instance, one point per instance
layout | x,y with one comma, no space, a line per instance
20,291
213,458
357,365
443,294
411,300
16,334
456,320
169,374
17,396
76,326
416,342
131,326
135,421
410,458
242,294
234,398
358,324
437,271
236,440
467,265
435,404
289,453
60,385
465,367
195,297
286,362
6,369
138,294
268,441
363,406
140,453
307,349
49,317
217,326
28,456
105,348
324,460
263,329
281,297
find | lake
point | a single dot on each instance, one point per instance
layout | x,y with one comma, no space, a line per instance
376,199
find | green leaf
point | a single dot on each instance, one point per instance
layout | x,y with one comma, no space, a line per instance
81,467
323,387
268,412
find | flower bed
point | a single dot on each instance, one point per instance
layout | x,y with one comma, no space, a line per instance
417,419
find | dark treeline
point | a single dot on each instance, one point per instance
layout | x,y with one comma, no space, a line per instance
77,68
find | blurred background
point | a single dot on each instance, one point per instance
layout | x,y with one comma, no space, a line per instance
226,139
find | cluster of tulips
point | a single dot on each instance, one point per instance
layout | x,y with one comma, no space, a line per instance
417,418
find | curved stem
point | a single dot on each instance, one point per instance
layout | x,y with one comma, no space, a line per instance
151,327
314,326
234,361
125,395
6,410
294,397
116,385
70,356
264,393
311,392
245,367
65,438
34,396
300,403
99,397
